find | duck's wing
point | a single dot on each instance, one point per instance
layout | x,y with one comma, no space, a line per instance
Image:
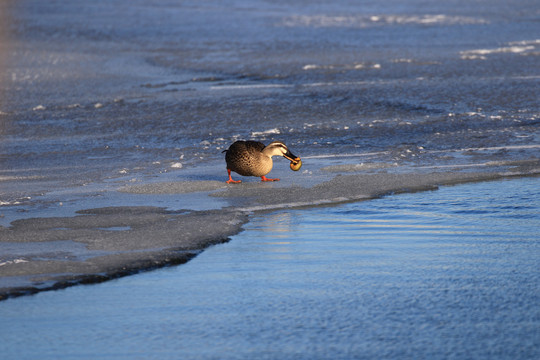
243,153
254,146
240,147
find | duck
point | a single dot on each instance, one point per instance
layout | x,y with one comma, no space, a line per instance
253,158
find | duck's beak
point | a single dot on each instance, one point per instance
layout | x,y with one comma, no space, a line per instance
290,156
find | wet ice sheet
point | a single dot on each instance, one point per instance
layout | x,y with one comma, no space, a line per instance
13,253
178,187
141,238
100,244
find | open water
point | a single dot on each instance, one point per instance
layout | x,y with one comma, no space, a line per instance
449,274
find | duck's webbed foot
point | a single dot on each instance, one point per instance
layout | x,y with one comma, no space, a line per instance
231,181
264,178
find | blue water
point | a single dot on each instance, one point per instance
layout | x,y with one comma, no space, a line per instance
447,274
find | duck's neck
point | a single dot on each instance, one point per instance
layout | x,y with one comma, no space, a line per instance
270,152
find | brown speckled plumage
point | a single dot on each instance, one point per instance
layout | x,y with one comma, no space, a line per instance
246,158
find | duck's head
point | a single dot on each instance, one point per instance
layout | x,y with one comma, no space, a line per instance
279,148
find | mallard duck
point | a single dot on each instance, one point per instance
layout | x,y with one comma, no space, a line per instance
253,158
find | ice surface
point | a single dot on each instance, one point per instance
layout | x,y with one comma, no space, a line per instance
357,167
364,21
144,237
116,241
178,187
525,47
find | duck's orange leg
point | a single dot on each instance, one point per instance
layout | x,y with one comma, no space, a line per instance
264,178
231,181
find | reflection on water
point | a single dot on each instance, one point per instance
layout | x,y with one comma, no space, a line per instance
445,274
